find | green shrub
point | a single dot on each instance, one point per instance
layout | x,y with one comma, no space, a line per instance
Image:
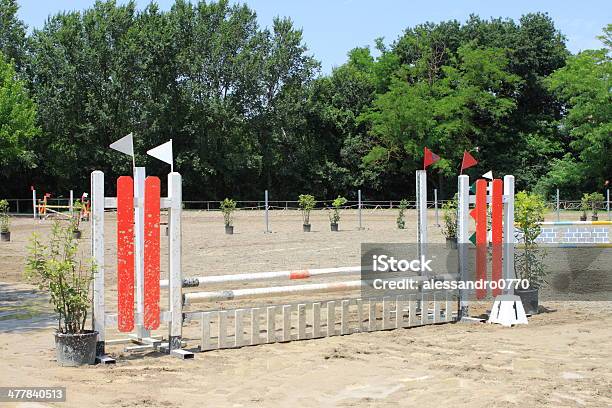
5,220
306,203
228,206
449,218
56,269
529,212
334,215
401,222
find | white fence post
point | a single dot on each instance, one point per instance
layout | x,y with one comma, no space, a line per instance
97,250
463,208
608,202
175,273
70,203
139,189
436,206
34,203
508,257
558,207
421,203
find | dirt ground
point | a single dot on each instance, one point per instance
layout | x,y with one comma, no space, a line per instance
562,358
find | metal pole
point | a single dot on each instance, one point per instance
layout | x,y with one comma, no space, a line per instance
359,208
608,202
421,202
436,206
34,203
97,254
266,212
174,261
508,268
558,207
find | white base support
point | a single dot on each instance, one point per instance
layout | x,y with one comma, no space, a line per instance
105,359
508,311
182,354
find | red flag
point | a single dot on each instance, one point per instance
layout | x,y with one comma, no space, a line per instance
468,160
429,158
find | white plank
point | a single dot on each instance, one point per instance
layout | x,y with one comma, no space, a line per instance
255,328
372,316
301,321
331,318
360,317
412,315
271,323
436,311
222,336
287,322
399,311
386,314
316,320
205,343
239,327
344,318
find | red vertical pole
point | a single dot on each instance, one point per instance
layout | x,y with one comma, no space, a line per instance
497,209
125,254
151,253
481,236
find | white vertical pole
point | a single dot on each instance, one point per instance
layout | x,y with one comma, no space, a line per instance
558,207
267,216
71,201
508,265
97,254
34,203
421,202
436,206
463,209
175,195
359,208
139,185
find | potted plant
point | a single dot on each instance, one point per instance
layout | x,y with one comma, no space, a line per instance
584,206
5,221
400,221
529,266
75,219
228,206
56,269
595,199
449,217
334,215
307,203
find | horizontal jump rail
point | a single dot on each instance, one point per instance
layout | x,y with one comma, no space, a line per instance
554,223
254,293
261,276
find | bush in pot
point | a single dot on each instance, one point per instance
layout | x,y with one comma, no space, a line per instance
334,215
400,221
307,203
228,206
449,218
5,221
55,268
75,219
584,206
529,212
595,199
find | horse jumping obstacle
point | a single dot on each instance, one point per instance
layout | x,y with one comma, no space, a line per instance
138,205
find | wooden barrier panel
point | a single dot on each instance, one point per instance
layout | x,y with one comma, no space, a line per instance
125,254
151,253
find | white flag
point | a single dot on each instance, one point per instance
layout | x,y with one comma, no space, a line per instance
124,145
163,152
488,175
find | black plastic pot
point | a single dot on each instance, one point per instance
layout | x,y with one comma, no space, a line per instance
306,227
583,218
451,243
594,218
5,236
334,226
74,350
529,297
76,234
229,229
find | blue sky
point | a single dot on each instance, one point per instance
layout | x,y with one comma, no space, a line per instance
333,27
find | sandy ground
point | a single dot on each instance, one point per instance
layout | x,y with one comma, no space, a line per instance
563,358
